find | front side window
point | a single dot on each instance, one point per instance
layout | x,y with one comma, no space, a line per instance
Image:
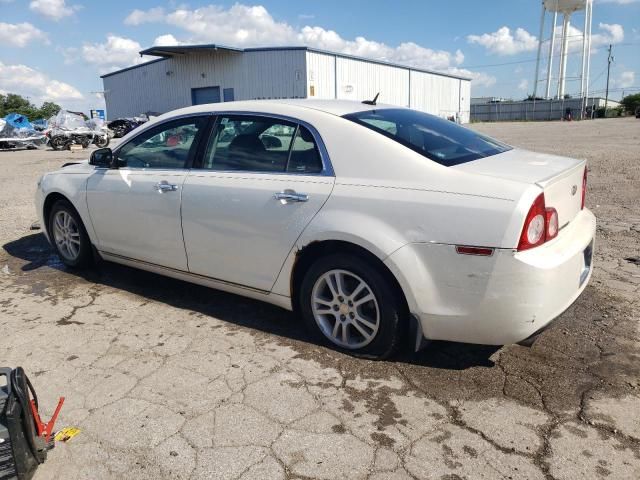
166,146
440,140
261,144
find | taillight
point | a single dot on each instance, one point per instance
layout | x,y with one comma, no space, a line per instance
584,187
552,223
533,232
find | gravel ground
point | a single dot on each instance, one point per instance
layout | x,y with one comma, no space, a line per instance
170,380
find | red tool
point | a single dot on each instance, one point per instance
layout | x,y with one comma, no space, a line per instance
45,430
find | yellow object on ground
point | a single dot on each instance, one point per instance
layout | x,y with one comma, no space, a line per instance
66,434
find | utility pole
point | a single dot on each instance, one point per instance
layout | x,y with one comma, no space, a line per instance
606,95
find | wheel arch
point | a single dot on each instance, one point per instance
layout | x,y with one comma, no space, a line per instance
307,255
49,201
48,204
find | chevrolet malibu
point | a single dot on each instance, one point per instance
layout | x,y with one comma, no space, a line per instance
369,220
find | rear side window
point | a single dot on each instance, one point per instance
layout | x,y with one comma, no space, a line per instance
304,157
439,140
263,145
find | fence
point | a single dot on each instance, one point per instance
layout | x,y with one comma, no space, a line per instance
534,110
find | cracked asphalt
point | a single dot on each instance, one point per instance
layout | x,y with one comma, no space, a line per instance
171,380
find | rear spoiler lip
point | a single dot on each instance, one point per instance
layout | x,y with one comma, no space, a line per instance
545,181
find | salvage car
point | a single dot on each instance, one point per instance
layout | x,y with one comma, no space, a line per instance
368,220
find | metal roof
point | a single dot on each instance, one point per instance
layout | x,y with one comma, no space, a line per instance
174,50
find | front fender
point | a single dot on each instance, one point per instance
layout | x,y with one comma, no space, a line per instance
72,186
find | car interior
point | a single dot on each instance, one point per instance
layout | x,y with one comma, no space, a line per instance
238,144
263,145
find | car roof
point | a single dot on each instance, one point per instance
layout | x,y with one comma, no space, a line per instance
284,106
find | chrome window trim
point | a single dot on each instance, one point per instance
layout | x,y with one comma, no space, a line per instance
327,167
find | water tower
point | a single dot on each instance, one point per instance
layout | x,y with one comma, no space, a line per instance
566,8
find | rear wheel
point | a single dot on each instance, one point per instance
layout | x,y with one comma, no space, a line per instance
350,305
69,236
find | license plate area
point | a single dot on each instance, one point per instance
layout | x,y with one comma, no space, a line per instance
587,259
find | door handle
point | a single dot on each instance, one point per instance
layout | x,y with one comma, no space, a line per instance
291,196
165,186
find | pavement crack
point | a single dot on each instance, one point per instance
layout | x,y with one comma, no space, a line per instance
67,319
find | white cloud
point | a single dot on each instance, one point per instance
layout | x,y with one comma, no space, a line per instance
249,26
619,2
166,40
138,17
34,84
613,33
116,52
625,79
53,9
20,34
478,79
523,85
610,34
503,42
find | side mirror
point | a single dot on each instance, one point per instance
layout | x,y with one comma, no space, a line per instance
102,158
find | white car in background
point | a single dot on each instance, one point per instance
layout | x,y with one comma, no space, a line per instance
367,219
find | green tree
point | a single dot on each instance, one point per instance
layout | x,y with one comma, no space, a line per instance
13,103
47,110
631,102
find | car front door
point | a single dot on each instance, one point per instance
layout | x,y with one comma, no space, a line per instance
135,208
259,184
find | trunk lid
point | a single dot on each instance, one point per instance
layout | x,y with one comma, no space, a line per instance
559,177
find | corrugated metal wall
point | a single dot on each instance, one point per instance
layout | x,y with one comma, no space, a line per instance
166,85
358,79
321,75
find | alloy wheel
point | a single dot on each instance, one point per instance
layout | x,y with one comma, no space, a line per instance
345,308
66,235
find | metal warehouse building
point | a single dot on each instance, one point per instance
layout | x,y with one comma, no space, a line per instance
196,74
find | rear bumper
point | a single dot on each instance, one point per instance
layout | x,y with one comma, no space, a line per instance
496,300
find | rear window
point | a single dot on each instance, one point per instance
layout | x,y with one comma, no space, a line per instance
442,141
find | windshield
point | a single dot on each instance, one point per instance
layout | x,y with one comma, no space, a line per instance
442,141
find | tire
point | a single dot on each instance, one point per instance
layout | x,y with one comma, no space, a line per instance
68,235
101,141
58,143
322,308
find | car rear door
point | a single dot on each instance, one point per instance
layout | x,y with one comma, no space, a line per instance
135,209
259,184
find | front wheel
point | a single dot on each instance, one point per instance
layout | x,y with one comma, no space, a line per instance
350,305
101,141
68,235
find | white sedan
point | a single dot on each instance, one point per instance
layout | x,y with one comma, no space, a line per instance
368,220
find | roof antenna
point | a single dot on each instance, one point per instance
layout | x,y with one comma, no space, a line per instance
372,102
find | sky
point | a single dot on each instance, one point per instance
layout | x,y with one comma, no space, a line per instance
56,50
